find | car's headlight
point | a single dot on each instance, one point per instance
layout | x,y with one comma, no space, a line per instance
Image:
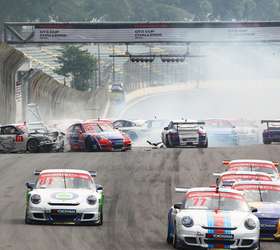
250,224
187,221
91,200
35,199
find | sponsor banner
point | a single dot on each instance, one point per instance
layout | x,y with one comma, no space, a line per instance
215,195
161,32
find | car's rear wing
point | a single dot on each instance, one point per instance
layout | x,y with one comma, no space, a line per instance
217,174
181,189
268,121
37,172
93,173
189,123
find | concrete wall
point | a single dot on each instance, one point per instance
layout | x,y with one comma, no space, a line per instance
54,99
10,60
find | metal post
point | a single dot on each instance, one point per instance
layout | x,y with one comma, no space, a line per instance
99,66
114,77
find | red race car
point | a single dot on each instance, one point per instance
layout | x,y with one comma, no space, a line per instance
96,136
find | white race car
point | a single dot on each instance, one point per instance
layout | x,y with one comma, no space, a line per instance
213,218
64,196
262,166
227,179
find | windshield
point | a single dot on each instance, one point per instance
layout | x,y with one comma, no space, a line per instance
215,201
40,128
65,180
256,168
244,177
260,193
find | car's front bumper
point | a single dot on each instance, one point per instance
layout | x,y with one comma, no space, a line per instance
52,216
197,237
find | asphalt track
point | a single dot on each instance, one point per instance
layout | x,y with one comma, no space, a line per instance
139,190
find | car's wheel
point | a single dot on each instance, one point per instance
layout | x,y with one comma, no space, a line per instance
100,222
167,144
89,145
33,146
27,220
175,241
266,142
206,144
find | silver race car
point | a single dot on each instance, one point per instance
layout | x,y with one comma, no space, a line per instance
64,196
213,218
22,138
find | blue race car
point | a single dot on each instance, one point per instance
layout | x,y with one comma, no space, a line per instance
272,132
221,132
265,196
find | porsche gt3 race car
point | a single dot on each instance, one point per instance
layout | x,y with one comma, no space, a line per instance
62,196
213,218
221,132
265,196
95,136
272,132
185,133
227,179
142,130
262,166
21,138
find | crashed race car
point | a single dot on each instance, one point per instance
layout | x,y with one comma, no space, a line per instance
96,136
25,137
221,132
262,166
265,196
142,130
247,131
185,133
212,218
64,196
272,132
227,179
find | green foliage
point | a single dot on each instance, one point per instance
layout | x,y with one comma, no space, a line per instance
80,64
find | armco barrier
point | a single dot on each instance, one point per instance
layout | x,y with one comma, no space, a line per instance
58,101
10,60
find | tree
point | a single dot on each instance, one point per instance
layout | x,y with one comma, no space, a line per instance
80,64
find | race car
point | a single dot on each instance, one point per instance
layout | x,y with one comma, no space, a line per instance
142,130
265,196
185,133
221,132
262,166
247,131
272,132
95,136
227,179
64,196
21,138
212,218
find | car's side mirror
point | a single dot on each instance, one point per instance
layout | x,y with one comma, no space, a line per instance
253,209
178,205
99,188
30,185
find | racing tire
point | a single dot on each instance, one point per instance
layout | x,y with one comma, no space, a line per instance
167,144
100,222
175,241
33,146
27,221
89,145
206,145
266,142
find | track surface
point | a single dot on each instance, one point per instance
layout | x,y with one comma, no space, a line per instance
138,187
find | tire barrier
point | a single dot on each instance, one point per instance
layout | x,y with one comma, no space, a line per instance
10,60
